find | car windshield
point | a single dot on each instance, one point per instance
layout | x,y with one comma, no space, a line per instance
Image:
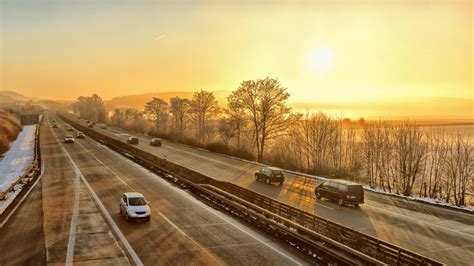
136,201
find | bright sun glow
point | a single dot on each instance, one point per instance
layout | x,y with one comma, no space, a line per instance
321,60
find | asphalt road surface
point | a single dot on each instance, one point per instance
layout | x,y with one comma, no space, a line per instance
439,233
72,216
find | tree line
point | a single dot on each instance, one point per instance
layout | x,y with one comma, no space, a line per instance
257,123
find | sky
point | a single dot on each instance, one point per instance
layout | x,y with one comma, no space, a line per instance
322,51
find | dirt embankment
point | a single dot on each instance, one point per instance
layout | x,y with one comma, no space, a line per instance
9,130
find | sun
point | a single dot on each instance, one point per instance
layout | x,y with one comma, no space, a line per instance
321,60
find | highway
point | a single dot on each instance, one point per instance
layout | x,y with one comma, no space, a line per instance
439,233
79,178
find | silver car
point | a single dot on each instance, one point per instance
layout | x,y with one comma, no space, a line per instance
134,206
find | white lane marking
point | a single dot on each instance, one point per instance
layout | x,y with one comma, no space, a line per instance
188,237
104,165
157,210
72,228
127,245
419,221
319,204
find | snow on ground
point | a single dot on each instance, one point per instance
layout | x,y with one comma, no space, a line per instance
18,158
422,199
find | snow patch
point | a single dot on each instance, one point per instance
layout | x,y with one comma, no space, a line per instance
432,201
18,158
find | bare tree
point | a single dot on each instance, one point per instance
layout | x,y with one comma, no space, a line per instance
264,102
157,112
237,122
459,167
91,108
130,119
180,109
409,156
436,153
319,131
204,107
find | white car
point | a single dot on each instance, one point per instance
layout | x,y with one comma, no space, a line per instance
134,206
69,139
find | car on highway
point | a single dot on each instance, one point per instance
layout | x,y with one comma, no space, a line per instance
103,126
132,140
342,191
155,142
69,139
69,128
80,135
134,206
54,126
270,175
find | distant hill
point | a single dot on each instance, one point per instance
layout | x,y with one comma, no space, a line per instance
6,96
139,100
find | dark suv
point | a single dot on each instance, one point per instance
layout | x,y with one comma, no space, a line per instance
155,142
344,192
270,175
132,140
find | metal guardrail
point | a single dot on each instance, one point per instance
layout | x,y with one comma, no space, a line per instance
309,225
33,170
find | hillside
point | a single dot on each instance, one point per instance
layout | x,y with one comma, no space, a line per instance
7,96
139,100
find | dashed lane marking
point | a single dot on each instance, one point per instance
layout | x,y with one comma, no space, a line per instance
127,245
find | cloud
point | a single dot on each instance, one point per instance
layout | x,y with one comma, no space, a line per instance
160,37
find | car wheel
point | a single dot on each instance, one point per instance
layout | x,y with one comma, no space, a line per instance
281,183
256,177
356,205
340,202
318,195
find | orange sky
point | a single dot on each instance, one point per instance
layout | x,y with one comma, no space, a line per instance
321,51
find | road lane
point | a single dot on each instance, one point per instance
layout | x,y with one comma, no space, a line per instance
419,227
24,229
182,230
74,230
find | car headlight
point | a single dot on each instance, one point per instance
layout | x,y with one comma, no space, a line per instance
130,212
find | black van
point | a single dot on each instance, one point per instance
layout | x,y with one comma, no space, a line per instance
132,140
343,191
